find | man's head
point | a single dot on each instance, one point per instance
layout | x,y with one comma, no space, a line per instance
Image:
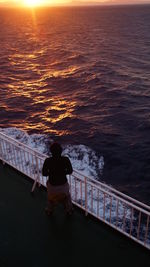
56,149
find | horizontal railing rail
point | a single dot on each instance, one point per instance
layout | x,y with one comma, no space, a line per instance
123,213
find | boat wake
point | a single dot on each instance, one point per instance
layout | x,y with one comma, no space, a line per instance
83,158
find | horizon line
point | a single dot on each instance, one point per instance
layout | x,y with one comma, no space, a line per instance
73,4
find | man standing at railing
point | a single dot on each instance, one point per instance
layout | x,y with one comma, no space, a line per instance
56,168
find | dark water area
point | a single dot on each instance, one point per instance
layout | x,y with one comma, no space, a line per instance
82,76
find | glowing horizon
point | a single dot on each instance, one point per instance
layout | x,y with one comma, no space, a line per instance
38,3
32,3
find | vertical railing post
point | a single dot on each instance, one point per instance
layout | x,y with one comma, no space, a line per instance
1,152
81,193
1,149
76,189
139,224
86,199
37,179
98,201
110,209
147,226
104,206
70,184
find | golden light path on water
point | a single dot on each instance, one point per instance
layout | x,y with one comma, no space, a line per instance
37,87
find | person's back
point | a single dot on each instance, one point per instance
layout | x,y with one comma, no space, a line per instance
56,168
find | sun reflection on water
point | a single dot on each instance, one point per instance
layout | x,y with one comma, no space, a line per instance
33,81
44,112
60,110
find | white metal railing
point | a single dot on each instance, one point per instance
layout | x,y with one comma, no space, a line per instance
123,213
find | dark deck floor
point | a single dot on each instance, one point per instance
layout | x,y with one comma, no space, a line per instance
29,238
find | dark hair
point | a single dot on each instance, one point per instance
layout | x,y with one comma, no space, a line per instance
56,149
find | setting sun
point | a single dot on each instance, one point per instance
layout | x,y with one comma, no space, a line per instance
33,3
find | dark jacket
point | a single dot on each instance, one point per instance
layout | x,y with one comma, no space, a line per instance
56,168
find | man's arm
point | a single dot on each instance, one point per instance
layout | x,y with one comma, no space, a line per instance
45,169
68,168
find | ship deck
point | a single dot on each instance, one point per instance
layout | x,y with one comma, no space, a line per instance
28,237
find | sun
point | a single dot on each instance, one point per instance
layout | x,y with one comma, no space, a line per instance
33,3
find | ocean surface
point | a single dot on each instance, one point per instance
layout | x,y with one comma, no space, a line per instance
81,76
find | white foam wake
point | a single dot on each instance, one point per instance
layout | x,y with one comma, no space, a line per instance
83,158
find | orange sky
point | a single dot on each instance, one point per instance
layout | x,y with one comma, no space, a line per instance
52,2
